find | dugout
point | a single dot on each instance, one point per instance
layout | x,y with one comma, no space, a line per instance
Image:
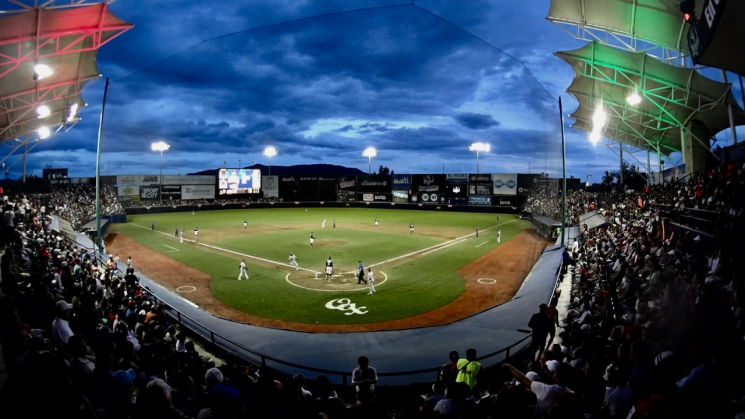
546,227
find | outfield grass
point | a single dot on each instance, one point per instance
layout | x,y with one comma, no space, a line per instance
414,285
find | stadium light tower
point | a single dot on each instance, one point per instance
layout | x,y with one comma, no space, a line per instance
160,146
369,153
270,152
479,147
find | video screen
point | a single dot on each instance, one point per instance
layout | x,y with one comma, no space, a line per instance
239,181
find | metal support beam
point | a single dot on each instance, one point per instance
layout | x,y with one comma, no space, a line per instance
25,154
731,115
620,172
649,170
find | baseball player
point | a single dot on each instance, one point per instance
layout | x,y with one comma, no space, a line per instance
411,228
242,272
361,273
152,225
117,258
370,281
245,223
196,233
329,268
323,223
499,236
376,221
293,261
129,261
175,232
312,238
477,231
181,236
334,225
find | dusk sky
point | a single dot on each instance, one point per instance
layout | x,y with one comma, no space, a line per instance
323,80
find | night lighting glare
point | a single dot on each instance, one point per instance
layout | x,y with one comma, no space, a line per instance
42,71
634,99
598,118
73,112
43,111
594,137
44,132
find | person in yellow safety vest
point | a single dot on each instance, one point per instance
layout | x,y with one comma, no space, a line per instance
468,369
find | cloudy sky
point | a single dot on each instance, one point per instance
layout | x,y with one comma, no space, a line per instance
322,80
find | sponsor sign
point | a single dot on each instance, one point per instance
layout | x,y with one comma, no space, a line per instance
457,201
400,196
427,184
505,183
401,182
127,191
457,179
51,174
81,180
188,180
428,198
170,191
479,200
479,188
149,193
479,178
374,183
368,197
504,201
127,180
270,186
64,181
198,192
347,182
148,179
701,33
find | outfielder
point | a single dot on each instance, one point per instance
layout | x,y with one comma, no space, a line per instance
242,272
334,225
499,236
293,261
245,223
196,233
376,221
370,281
411,228
323,223
329,268
181,236
312,238
477,231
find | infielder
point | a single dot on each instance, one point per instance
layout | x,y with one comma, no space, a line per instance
329,268
293,261
181,236
370,281
411,228
312,238
196,233
477,231
245,223
323,223
376,221
152,225
499,236
334,225
242,272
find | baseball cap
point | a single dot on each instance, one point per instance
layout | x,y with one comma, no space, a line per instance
552,365
213,377
122,378
62,306
533,376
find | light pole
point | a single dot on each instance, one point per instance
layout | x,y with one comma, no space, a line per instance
369,153
160,146
478,147
270,152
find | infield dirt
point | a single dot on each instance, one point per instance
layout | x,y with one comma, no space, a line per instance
502,272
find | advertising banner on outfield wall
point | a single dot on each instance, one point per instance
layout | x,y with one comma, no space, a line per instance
188,179
346,188
401,183
479,200
505,183
170,191
479,178
401,196
479,188
198,192
270,186
374,197
127,191
525,183
505,200
127,180
457,179
427,189
428,198
288,188
149,193
327,189
457,194
374,183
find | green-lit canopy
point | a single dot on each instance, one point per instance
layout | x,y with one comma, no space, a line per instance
672,97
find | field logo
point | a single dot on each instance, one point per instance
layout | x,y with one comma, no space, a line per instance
345,304
428,180
456,190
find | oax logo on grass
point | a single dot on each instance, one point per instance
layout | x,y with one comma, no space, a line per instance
346,305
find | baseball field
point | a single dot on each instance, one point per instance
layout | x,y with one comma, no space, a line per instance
438,274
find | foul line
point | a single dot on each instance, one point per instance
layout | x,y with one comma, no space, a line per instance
171,248
483,243
228,251
440,248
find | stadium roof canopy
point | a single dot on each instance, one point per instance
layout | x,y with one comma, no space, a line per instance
656,27
672,97
67,40
716,39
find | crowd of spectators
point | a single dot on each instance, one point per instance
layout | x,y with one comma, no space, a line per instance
196,202
77,203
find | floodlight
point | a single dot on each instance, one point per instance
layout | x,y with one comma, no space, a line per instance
270,152
594,137
369,152
43,111
478,147
634,99
160,146
599,117
42,71
44,132
73,112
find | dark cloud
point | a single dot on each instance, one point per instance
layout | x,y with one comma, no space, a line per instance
475,120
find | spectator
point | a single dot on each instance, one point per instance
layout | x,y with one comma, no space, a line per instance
364,378
469,371
61,331
540,325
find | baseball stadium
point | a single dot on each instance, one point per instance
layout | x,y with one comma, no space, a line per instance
371,210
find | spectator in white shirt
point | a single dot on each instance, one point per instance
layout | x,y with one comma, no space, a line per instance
61,331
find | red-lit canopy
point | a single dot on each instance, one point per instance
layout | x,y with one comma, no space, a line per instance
65,39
